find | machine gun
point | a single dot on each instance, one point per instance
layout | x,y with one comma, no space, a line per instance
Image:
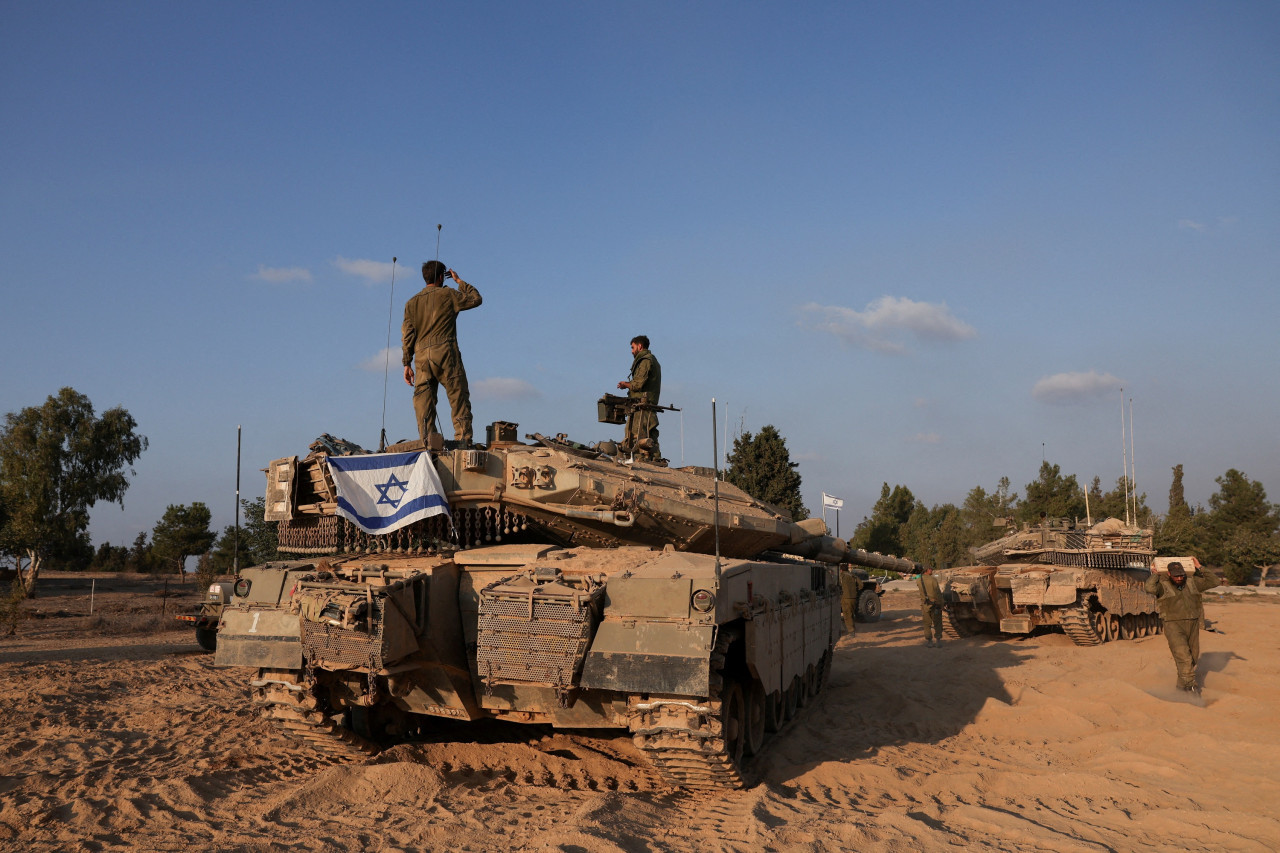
613,409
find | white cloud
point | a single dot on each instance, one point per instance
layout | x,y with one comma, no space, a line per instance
279,275
1191,224
503,388
1077,387
887,319
925,438
373,272
386,359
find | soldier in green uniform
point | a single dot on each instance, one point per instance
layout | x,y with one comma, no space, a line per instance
430,339
850,589
930,606
1182,610
643,384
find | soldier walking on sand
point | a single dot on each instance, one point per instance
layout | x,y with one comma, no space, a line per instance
643,384
1182,610
430,338
930,607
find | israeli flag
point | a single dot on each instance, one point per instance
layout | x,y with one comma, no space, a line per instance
382,492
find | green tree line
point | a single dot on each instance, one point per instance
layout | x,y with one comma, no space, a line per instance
1239,532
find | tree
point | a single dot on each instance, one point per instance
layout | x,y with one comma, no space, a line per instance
56,462
183,532
935,537
259,538
141,558
761,466
1247,550
980,510
1178,535
883,530
1052,494
1118,503
1240,504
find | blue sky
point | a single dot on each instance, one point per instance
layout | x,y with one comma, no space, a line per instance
929,242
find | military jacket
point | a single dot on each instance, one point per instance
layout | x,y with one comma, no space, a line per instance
1178,604
930,592
431,317
849,585
646,378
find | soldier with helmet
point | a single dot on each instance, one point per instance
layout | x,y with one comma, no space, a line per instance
1180,601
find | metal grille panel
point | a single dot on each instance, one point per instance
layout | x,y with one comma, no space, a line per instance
337,645
537,637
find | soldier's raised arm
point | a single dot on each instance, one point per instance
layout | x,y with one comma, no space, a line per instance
469,297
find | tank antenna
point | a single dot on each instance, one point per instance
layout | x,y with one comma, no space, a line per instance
1133,465
386,369
439,228
1124,458
715,456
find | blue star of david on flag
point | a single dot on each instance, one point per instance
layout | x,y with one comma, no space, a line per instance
393,483
382,492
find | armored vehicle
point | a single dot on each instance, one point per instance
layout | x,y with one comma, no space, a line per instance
205,621
1088,582
564,586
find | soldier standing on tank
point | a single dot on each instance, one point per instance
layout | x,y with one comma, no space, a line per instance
1182,609
430,338
930,606
850,589
643,385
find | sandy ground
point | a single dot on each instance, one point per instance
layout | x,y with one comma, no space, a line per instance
135,742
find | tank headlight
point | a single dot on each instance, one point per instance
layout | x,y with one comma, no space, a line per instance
242,588
703,601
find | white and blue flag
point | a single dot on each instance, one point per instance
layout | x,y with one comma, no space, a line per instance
382,492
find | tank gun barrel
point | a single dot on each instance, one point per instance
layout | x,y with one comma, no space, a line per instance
876,560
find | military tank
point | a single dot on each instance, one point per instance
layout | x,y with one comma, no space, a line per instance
565,586
1088,582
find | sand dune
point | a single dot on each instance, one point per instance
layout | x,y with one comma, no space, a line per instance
1025,744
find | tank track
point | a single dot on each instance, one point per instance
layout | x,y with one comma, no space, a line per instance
957,627
295,712
1077,625
696,756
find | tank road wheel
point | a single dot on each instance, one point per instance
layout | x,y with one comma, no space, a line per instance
1158,623
1127,626
733,722
1142,625
794,697
1098,621
810,684
775,711
1113,627
868,607
757,718
207,638
820,673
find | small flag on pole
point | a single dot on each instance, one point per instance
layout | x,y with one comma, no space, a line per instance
382,492
828,502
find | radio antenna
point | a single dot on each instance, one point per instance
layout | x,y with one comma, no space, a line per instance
386,370
439,228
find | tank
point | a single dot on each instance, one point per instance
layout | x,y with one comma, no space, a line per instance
564,587
1088,582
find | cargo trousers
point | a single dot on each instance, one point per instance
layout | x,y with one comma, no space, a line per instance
932,614
442,365
1183,636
